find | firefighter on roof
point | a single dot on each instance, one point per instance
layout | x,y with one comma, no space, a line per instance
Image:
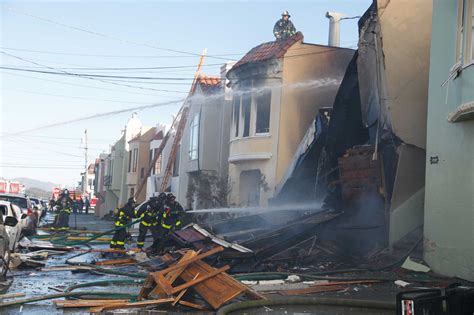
284,28
123,217
149,213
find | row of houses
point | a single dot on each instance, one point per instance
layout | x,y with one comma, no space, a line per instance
252,131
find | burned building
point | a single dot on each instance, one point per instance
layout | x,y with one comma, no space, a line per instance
278,87
366,155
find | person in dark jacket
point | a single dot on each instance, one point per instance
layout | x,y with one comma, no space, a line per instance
64,209
170,220
87,203
123,217
284,28
149,213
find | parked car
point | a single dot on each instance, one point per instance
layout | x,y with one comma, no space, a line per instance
11,222
26,207
37,206
14,220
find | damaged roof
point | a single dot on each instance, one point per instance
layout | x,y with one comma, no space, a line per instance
269,50
209,84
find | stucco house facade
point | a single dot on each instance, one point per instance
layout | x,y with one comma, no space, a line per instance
204,147
139,162
449,201
277,89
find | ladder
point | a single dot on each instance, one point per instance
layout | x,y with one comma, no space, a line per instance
179,123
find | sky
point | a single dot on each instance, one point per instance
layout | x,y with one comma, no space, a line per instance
62,36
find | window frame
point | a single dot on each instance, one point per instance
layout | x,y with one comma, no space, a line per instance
135,160
193,150
259,96
247,121
464,52
236,105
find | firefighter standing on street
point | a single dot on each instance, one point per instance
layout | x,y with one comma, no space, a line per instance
284,28
170,220
149,213
64,208
124,217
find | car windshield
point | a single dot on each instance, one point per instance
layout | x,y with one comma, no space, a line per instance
19,201
4,209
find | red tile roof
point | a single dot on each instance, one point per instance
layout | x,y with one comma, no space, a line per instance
270,50
209,84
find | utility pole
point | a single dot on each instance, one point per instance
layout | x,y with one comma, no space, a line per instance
84,188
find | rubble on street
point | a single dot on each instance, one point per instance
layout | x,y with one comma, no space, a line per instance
200,270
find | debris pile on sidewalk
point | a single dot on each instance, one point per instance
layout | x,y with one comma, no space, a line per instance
215,286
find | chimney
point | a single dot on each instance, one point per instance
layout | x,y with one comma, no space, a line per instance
334,28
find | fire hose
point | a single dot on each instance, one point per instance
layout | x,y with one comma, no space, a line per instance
307,301
85,295
63,239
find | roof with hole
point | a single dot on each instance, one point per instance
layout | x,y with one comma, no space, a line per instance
269,50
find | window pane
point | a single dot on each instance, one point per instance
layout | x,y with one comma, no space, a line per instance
194,138
263,111
472,32
246,113
236,114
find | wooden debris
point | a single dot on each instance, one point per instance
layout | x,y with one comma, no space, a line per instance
113,305
66,268
214,285
120,261
180,295
85,303
193,305
11,295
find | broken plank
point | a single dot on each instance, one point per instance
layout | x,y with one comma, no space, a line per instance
217,290
193,305
11,295
200,279
88,303
66,268
185,263
130,305
180,295
164,280
310,290
120,261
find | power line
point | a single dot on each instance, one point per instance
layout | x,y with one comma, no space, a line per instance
96,116
78,75
80,97
129,68
65,138
91,87
108,56
109,36
91,75
41,167
58,145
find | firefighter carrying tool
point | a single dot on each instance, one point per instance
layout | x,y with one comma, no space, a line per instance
149,213
170,220
64,208
123,218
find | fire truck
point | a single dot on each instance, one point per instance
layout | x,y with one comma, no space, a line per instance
10,187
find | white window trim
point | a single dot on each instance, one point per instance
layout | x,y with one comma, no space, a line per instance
464,34
194,143
255,116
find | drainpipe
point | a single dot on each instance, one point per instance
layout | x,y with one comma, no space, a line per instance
334,28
